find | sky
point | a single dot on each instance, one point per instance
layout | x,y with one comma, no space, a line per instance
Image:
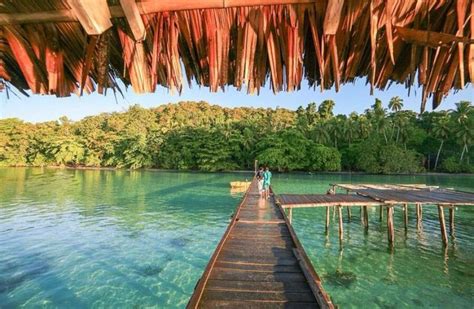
351,97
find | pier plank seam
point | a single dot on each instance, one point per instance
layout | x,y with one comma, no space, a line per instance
259,263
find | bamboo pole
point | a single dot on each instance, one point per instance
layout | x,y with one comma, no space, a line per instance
451,221
390,230
290,212
349,215
327,219
341,228
442,224
405,216
381,213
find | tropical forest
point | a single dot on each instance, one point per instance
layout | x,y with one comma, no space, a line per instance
199,136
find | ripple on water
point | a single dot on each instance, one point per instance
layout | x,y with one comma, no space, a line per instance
142,239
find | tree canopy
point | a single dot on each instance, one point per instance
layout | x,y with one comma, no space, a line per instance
200,136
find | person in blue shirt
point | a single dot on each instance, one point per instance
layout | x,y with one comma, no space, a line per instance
267,177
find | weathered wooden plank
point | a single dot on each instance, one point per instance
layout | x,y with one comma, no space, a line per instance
258,296
259,267
259,260
232,274
276,286
249,252
262,305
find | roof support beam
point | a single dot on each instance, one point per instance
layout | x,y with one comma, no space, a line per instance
93,15
134,19
144,7
430,38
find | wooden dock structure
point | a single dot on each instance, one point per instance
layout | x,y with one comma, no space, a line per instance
385,196
259,263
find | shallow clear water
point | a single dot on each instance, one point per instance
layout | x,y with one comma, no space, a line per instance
121,239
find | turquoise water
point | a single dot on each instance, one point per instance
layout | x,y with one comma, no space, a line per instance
137,239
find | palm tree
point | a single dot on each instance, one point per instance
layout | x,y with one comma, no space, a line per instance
335,128
363,126
462,112
441,131
377,117
465,136
401,121
325,109
350,127
395,104
319,133
464,128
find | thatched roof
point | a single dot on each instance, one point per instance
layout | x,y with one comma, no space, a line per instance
45,45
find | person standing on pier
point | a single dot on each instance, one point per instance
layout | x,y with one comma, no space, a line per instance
259,176
267,177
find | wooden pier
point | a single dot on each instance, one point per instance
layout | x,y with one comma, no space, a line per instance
259,262
384,196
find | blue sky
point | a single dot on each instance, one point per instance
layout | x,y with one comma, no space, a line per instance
351,97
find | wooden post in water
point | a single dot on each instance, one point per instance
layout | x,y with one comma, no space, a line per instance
442,224
405,216
290,213
341,228
349,215
451,220
391,234
381,213
366,217
327,218
417,208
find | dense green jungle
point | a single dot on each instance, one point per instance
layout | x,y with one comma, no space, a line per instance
198,136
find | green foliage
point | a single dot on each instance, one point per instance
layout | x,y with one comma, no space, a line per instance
452,165
322,158
285,151
372,156
200,136
395,159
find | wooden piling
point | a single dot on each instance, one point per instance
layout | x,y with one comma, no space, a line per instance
405,216
417,210
327,218
290,214
442,224
341,228
451,220
390,230
366,217
380,213
349,215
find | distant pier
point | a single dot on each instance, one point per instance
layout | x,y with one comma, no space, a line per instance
386,197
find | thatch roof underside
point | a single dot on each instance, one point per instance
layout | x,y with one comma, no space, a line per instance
328,42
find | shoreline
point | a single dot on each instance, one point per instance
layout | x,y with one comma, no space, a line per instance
234,171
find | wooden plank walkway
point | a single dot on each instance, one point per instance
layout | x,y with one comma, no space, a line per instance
259,263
